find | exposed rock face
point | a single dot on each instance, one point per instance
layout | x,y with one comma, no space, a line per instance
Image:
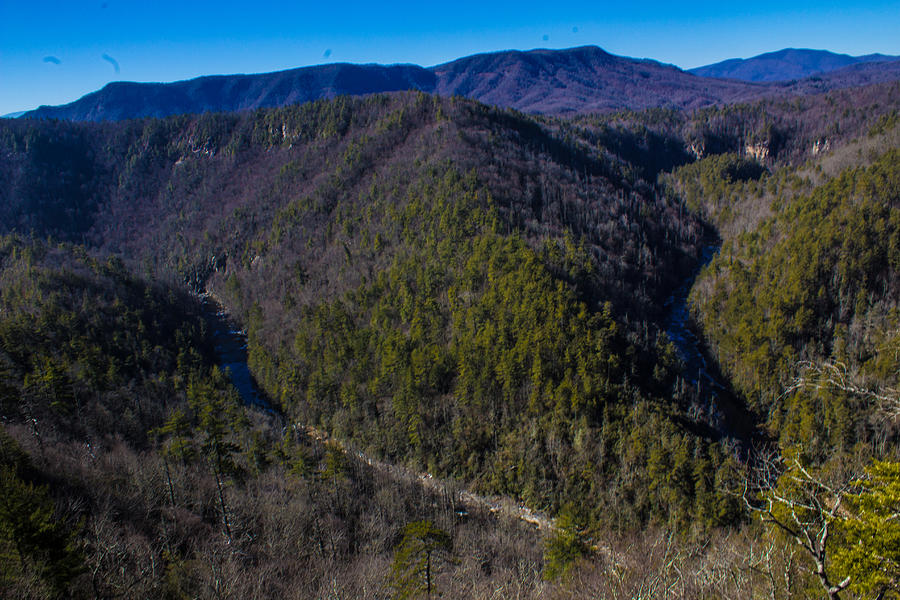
821,145
697,149
758,151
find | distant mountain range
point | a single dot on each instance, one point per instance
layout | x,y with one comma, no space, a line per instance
787,64
226,93
576,80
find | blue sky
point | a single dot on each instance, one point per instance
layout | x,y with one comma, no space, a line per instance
54,52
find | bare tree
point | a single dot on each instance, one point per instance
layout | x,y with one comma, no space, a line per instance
835,375
802,504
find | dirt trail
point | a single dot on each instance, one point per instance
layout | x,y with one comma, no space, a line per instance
231,349
499,505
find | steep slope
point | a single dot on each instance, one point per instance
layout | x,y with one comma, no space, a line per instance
799,306
434,280
783,65
582,79
215,183
825,291
88,351
781,131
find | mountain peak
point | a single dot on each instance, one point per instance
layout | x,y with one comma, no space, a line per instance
573,80
784,65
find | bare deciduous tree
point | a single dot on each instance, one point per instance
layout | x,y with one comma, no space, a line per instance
835,375
802,504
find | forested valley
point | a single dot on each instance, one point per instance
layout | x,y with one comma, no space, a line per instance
451,308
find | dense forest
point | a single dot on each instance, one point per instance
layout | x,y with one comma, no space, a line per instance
449,309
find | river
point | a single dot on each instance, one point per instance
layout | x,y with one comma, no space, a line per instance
231,353
678,326
712,403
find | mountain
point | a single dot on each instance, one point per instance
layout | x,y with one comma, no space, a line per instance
784,65
13,115
585,79
581,79
861,74
226,93
576,80
439,294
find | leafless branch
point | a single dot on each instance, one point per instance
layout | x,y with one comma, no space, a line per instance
802,507
831,376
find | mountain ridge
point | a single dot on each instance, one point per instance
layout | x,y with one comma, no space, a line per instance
227,93
576,80
785,65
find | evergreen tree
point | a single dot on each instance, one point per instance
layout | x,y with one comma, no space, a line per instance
220,419
412,573
36,546
568,544
869,552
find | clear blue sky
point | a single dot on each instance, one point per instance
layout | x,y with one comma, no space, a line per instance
54,52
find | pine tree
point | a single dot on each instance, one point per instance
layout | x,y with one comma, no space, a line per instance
220,420
567,545
869,548
413,571
34,543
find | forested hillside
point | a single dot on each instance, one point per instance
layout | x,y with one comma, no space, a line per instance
87,347
462,291
130,470
799,308
811,285
380,250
